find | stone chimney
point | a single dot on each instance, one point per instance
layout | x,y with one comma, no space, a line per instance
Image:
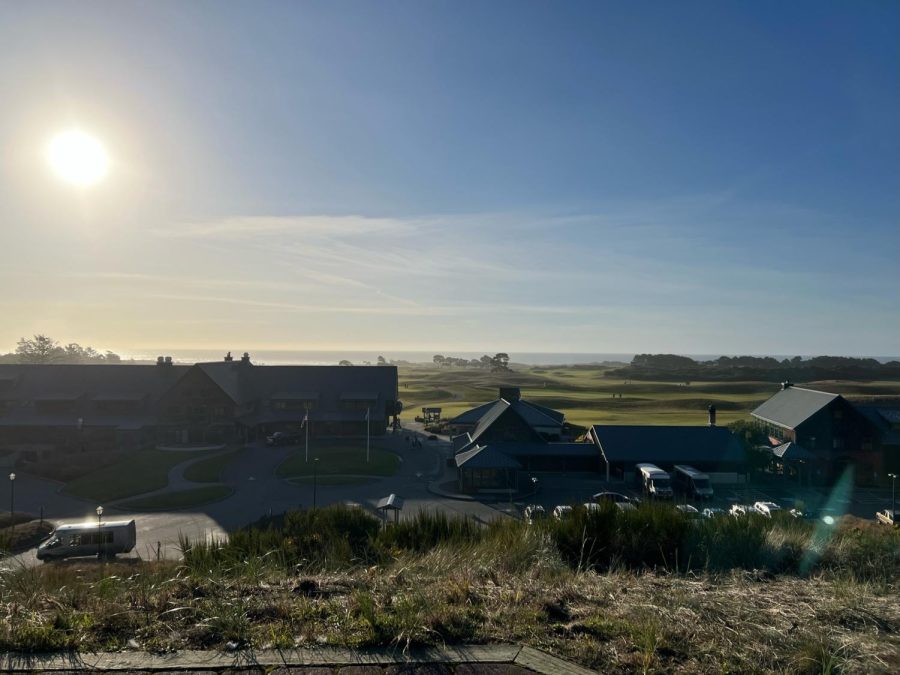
229,357
510,393
160,360
712,415
245,359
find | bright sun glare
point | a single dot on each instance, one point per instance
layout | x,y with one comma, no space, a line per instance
78,158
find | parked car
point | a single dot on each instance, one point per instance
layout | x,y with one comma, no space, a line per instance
282,438
562,512
615,497
103,540
534,512
887,517
712,512
739,509
766,508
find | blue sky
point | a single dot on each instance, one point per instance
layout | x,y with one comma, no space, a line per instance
696,177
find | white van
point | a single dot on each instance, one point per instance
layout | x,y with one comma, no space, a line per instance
654,481
692,482
84,539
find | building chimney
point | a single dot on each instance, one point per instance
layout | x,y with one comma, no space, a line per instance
510,393
245,359
160,361
786,384
712,415
229,357
168,360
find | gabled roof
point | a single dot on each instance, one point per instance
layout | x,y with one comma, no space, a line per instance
667,444
245,383
472,416
531,412
792,452
461,441
485,457
792,406
500,406
514,449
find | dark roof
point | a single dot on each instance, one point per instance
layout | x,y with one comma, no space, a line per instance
884,420
461,441
489,418
485,457
531,412
792,406
246,383
792,452
472,416
668,444
83,385
547,449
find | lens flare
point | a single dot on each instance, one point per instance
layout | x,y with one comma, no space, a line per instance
78,158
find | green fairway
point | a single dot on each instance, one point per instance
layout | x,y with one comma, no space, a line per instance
587,396
349,460
210,470
181,499
137,472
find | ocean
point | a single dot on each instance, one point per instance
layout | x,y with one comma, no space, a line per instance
324,358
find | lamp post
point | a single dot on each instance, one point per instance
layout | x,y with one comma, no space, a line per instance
893,478
12,500
315,479
99,532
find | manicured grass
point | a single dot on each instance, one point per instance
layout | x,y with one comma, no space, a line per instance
181,499
135,473
344,459
587,396
210,470
332,480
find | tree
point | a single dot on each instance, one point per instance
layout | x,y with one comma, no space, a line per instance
500,361
381,361
486,361
39,349
344,362
438,360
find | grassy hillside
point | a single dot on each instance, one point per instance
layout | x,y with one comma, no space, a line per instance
588,396
335,576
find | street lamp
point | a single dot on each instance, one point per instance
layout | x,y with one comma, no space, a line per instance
315,478
12,500
99,532
893,478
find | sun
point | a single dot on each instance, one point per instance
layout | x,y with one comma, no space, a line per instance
78,158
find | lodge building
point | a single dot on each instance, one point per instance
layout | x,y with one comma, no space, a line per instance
60,407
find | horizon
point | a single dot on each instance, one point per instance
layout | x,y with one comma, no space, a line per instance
586,178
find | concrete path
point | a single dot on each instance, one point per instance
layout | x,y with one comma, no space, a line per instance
462,660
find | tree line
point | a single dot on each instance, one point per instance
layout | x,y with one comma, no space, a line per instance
44,349
672,367
499,361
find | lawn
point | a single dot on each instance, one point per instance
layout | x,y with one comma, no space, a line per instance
135,473
210,470
181,499
331,480
336,460
587,396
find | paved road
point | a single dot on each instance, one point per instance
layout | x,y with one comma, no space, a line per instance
257,492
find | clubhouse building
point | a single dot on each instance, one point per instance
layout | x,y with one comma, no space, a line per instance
815,436
56,407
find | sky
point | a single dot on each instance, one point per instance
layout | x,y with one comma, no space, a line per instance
693,177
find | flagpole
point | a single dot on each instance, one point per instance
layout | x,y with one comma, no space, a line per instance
306,424
367,435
